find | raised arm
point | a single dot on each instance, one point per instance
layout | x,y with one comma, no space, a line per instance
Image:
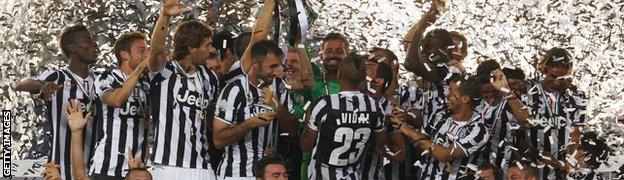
260,32
413,61
158,55
77,121
499,81
119,96
307,76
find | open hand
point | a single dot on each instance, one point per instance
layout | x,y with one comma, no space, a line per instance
268,97
173,8
75,118
499,80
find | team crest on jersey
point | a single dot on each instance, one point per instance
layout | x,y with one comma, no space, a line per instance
281,88
223,105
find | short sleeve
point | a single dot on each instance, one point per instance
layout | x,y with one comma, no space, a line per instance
475,137
577,109
164,73
379,125
318,114
103,83
211,84
414,98
49,76
227,102
284,95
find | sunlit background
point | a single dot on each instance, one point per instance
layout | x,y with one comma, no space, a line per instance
514,32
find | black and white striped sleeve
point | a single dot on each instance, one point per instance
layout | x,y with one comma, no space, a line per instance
474,139
103,83
229,98
414,98
318,114
578,108
379,125
49,76
162,74
284,96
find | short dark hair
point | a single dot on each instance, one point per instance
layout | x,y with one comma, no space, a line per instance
595,148
336,36
223,37
527,168
484,70
262,48
124,43
515,73
442,36
189,34
240,43
68,37
352,69
498,172
557,57
393,56
258,169
137,169
468,85
384,71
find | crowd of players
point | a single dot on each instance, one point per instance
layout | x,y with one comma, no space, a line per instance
249,110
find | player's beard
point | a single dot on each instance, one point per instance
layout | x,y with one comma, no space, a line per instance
331,64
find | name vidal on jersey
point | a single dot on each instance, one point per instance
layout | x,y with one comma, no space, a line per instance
191,98
352,118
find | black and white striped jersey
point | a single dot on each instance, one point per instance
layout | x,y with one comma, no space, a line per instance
467,136
373,168
502,127
74,87
121,128
433,96
238,102
554,115
411,97
345,122
235,72
179,102
372,162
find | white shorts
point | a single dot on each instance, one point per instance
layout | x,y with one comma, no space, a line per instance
172,172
